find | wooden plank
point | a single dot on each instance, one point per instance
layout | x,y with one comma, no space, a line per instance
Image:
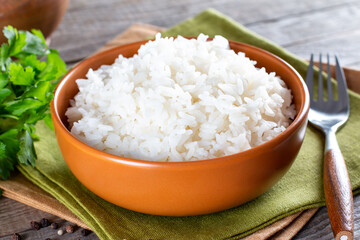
158,10
16,217
21,189
345,45
89,24
294,228
355,65
320,32
45,233
322,24
319,226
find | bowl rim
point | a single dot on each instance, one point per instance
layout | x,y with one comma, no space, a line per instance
240,156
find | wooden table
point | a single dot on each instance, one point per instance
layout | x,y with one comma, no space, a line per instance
302,27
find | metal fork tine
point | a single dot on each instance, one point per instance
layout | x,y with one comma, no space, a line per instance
342,88
329,85
310,78
320,83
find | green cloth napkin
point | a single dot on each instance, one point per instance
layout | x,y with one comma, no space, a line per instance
301,188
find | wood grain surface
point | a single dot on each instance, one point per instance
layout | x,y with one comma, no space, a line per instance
302,27
338,194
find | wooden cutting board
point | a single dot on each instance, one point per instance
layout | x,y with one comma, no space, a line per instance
24,191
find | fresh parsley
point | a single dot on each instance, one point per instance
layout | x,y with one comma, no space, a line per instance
29,72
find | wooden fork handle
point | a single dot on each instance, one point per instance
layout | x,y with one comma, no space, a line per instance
338,195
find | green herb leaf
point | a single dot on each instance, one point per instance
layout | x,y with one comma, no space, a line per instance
4,93
39,34
34,45
26,154
16,40
4,57
11,34
10,139
48,121
7,122
2,150
39,91
3,81
21,76
55,67
5,163
34,115
26,89
33,62
18,107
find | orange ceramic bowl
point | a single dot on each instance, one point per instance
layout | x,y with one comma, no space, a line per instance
181,188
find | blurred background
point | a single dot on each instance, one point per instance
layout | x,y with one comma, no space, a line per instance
300,26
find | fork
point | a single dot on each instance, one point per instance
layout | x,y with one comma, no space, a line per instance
328,116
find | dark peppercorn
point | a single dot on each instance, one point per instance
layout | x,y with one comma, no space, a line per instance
16,236
54,225
48,239
70,228
84,232
35,225
45,222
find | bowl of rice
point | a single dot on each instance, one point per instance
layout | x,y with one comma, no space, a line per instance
180,126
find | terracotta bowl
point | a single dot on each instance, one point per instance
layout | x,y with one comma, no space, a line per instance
28,14
181,188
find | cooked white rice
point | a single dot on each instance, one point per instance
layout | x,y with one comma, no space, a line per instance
180,100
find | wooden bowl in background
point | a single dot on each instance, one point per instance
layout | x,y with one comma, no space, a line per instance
29,14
